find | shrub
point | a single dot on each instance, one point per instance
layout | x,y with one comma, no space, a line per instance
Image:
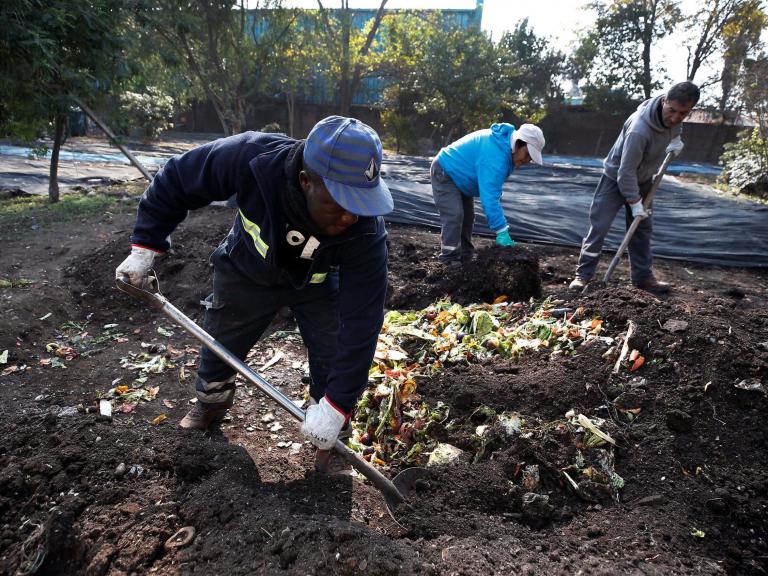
400,132
745,164
273,127
149,112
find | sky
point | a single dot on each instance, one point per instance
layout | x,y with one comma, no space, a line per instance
559,20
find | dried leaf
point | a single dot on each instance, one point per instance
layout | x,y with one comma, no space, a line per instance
167,403
500,299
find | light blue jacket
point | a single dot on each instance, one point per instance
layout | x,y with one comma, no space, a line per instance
478,164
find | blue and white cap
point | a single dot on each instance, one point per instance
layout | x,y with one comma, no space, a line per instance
346,153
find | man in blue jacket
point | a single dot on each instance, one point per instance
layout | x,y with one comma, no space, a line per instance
649,134
308,234
477,165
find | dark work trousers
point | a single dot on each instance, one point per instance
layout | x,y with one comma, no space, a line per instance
239,311
607,201
457,215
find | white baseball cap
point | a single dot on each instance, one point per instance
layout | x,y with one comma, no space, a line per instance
533,137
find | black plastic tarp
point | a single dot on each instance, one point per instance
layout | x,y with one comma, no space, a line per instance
550,205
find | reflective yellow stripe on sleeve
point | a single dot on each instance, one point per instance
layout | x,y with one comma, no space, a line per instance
318,278
255,232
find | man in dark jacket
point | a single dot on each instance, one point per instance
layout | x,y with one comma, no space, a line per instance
308,234
650,133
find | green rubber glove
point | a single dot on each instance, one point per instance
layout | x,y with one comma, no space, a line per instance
503,239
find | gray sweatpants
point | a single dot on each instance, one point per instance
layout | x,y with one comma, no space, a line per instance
457,215
605,204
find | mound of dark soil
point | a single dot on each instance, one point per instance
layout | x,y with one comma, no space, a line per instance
417,278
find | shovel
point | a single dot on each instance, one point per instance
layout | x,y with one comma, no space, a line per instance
395,492
631,231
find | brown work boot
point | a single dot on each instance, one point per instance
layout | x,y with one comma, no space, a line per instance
203,415
578,284
331,463
653,285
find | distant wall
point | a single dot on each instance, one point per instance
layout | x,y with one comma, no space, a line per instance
201,117
582,133
568,132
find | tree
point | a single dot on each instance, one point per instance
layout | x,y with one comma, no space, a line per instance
51,51
741,36
404,39
224,47
347,50
624,32
530,70
745,162
295,64
706,27
456,80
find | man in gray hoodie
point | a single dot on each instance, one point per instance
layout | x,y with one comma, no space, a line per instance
650,133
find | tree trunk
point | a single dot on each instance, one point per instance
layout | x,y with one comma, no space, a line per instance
345,98
58,140
650,25
290,101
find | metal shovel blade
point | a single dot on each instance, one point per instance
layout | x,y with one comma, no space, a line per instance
407,482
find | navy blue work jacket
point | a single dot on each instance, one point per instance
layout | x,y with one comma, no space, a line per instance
252,165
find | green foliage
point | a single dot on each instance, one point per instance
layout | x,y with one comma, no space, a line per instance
741,37
529,72
746,160
624,33
150,112
221,49
602,98
272,127
51,49
348,53
400,132
746,164
456,81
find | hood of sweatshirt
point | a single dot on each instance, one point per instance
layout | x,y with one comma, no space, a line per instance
650,115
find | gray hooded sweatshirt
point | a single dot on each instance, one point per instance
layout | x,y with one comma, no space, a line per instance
640,149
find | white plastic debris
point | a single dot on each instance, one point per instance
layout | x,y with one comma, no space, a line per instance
444,454
105,408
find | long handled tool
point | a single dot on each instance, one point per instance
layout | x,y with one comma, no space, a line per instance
395,492
632,227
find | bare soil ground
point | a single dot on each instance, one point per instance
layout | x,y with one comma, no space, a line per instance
83,495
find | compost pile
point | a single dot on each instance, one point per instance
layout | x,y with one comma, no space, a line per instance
607,434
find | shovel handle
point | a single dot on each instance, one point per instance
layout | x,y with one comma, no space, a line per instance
160,302
636,222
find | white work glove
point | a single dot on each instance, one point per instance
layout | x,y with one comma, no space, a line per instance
322,424
675,146
638,210
135,269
